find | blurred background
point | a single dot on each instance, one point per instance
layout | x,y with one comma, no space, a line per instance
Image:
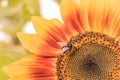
15,17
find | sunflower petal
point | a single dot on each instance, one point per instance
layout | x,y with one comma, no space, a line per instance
87,15
49,27
38,45
27,78
32,68
30,41
74,16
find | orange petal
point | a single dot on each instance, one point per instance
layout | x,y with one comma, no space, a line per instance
32,68
51,27
111,17
38,44
74,17
27,78
87,15
37,78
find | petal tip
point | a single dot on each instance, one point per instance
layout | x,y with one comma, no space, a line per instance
20,35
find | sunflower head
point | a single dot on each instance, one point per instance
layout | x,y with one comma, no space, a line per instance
86,46
89,55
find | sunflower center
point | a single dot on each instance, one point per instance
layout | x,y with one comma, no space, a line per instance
92,56
90,65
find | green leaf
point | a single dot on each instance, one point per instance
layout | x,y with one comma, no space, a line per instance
59,1
9,55
13,53
3,44
3,76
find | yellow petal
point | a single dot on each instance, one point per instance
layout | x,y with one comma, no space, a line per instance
31,68
74,16
28,78
39,43
52,27
87,15
31,42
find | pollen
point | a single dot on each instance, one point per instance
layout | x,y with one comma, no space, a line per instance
92,56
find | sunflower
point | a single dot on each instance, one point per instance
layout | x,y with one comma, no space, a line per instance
84,47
